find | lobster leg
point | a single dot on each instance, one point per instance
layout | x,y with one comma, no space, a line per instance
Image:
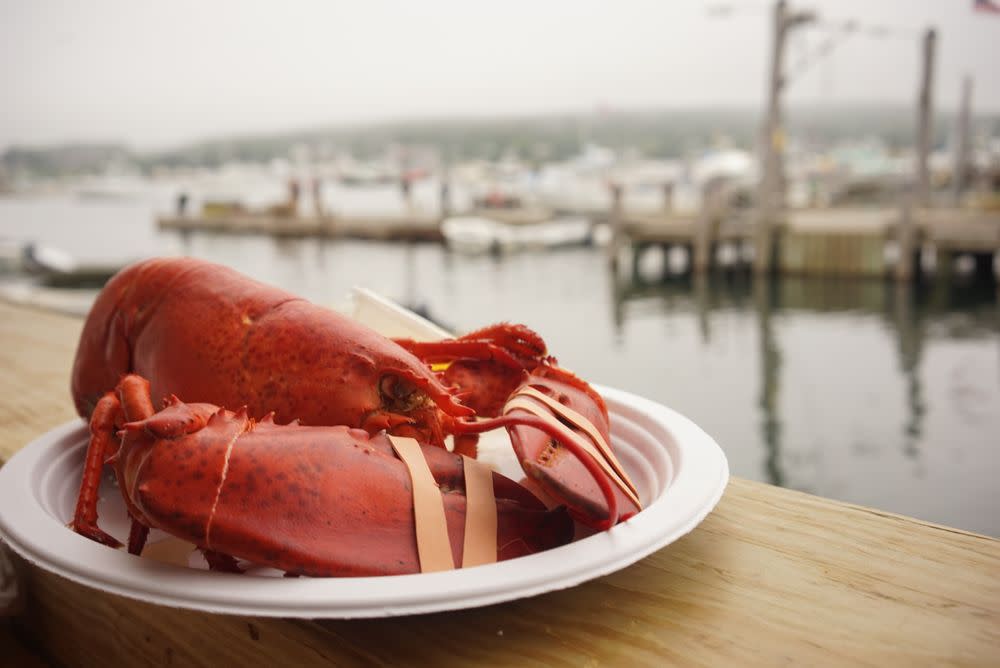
486,366
516,338
515,346
133,392
220,561
137,537
102,446
129,401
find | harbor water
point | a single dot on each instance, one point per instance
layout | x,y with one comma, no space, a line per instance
853,390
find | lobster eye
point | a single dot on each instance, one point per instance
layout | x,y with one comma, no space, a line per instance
394,387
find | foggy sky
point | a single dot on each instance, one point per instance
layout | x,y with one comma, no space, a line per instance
154,75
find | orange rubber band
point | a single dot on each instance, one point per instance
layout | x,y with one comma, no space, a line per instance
433,544
480,545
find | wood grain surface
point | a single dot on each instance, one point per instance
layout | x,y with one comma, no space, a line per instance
772,576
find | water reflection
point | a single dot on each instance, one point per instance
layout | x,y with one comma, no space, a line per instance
959,320
770,357
910,337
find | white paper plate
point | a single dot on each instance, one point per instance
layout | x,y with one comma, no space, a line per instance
679,470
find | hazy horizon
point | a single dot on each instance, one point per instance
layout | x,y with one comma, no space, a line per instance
159,77
793,113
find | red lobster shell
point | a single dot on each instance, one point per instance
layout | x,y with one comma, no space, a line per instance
209,334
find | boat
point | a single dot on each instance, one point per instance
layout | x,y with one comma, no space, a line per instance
54,267
478,234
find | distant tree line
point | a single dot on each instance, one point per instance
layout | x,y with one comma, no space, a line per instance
654,133
65,160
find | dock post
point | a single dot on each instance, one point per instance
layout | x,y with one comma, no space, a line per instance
317,197
617,224
772,143
963,143
944,265
919,195
905,238
925,110
771,190
703,233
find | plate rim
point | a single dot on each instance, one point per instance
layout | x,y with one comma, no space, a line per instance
348,598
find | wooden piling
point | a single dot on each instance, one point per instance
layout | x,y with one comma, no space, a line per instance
617,221
704,232
925,108
668,197
963,144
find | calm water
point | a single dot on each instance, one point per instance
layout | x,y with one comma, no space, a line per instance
844,389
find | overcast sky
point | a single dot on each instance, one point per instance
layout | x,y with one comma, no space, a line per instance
157,74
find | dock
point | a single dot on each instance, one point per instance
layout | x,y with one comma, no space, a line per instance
407,227
845,242
413,227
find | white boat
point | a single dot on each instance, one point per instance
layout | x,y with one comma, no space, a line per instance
55,267
477,234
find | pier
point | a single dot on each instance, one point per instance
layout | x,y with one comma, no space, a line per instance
845,242
414,227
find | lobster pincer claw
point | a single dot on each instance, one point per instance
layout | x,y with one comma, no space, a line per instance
560,474
559,428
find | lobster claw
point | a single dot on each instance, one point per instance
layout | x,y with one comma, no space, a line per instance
558,426
557,423
560,472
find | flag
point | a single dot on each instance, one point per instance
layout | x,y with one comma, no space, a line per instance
987,6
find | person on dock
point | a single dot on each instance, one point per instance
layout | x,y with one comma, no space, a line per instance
294,190
405,188
182,202
445,197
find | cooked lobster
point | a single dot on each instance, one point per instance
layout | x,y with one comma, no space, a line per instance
209,334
